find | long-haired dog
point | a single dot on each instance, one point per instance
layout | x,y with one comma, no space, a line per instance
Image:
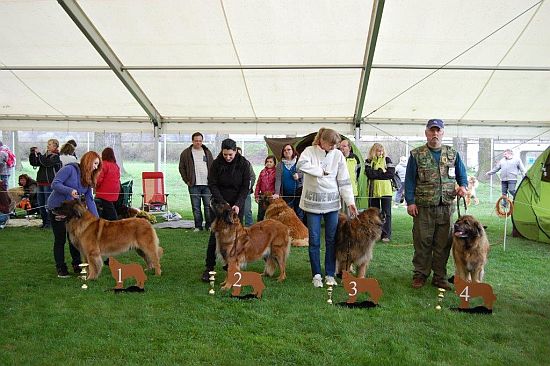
355,239
471,194
95,237
121,272
470,249
278,209
268,239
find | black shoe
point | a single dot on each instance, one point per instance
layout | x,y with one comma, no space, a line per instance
206,275
77,269
63,273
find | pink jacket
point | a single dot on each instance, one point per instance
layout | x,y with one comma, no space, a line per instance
265,183
108,182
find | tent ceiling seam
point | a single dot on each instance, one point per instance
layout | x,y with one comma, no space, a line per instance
453,59
484,87
238,58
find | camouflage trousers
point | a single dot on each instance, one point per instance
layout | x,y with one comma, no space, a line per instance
432,241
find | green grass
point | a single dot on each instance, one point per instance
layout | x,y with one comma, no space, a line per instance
46,320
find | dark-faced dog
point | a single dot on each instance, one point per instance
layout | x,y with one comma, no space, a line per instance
268,239
470,249
355,240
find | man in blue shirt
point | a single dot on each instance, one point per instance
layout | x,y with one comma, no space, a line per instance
430,192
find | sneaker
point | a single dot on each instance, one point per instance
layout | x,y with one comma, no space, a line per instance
317,281
63,273
196,230
441,283
386,240
205,277
330,281
418,282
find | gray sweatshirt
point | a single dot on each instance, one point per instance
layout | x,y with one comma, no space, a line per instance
509,169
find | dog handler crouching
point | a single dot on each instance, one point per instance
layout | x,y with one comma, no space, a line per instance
69,183
430,192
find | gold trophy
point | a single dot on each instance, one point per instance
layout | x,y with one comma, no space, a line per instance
329,292
212,280
440,297
84,274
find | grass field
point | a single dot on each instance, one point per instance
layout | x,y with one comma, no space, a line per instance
46,320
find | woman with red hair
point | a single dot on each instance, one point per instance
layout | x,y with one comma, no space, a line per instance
108,185
71,182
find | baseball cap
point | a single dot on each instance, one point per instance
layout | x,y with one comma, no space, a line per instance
435,123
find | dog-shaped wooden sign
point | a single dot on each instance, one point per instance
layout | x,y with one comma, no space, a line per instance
121,272
468,290
238,279
355,285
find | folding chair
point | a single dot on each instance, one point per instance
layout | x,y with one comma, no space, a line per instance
153,199
125,195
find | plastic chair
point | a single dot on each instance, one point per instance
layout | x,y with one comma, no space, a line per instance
153,199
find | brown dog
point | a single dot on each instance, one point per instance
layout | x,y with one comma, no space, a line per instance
355,240
470,249
95,237
471,194
355,285
278,209
121,271
235,244
467,290
238,279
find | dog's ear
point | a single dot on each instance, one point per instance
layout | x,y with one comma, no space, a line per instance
228,216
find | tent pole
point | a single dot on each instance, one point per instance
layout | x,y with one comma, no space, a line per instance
491,177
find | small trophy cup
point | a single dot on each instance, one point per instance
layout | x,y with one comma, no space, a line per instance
440,297
84,274
212,280
329,292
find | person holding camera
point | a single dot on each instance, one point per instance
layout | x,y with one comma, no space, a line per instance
48,165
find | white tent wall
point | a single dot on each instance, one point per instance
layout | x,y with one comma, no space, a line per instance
272,67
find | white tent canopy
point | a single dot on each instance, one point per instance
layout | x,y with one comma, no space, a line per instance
274,66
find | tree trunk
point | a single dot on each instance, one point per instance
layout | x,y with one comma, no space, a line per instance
461,145
484,159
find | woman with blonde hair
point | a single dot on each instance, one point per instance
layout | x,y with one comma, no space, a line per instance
326,179
71,182
48,165
380,170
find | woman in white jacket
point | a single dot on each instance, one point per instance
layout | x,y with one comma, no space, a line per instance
326,179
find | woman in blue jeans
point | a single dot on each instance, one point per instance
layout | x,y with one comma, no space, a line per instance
326,179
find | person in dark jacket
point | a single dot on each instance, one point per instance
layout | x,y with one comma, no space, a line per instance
72,181
229,181
48,165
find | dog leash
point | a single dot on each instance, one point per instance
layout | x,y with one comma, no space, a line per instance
458,205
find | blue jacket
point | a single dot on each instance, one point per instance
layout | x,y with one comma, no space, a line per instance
67,179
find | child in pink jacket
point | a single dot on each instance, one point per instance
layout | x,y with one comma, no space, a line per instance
265,183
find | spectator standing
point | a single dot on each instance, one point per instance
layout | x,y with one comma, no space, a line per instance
229,181
400,170
48,165
195,163
108,184
433,170
354,168
289,180
7,163
66,154
72,181
380,171
265,184
326,179
510,168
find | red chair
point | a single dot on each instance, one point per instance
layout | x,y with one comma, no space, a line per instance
153,199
